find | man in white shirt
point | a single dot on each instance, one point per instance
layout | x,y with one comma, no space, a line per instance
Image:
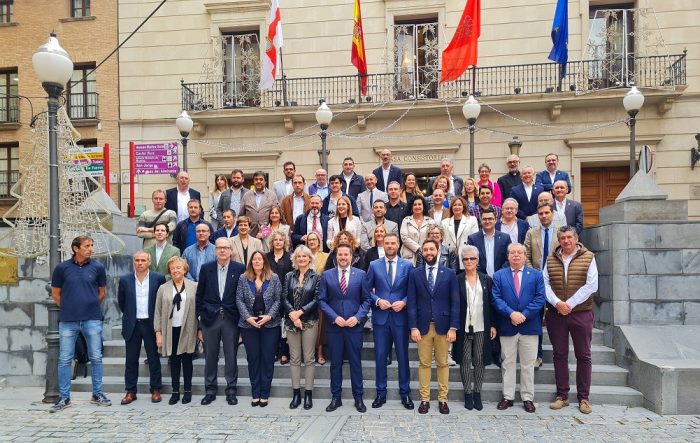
387,172
283,188
296,203
510,224
569,209
526,193
176,199
352,182
366,199
438,211
571,279
559,218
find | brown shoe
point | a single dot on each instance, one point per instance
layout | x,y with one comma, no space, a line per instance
558,403
585,407
424,407
529,406
155,396
128,398
442,406
504,404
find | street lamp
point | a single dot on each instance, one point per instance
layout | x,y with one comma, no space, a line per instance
514,146
324,116
184,125
471,111
633,102
54,68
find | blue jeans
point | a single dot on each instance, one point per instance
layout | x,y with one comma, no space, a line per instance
68,332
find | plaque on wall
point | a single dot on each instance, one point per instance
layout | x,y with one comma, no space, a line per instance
8,268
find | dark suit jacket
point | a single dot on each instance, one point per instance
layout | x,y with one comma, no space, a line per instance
526,207
355,303
459,185
523,227
500,249
357,185
543,179
530,303
171,199
208,301
395,175
489,317
442,305
574,214
126,298
353,205
222,233
301,229
507,182
378,280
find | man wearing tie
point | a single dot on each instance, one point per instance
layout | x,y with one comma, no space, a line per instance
136,296
311,221
366,198
389,278
433,317
344,299
218,319
518,298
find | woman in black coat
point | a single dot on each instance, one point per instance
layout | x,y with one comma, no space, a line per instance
477,327
281,264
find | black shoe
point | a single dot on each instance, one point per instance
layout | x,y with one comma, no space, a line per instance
478,405
360,405
296,399
174,398
469,401
378,402
263,403
231,399
335,404
255,403
208,399
407,402
308,400
186,397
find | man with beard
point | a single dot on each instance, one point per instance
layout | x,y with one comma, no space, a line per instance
512,178
379,212
395,208
232,197
256,204
283,188
311,221
433,317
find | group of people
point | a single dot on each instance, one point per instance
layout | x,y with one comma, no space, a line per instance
297,269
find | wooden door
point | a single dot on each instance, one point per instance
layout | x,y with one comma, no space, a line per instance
600,187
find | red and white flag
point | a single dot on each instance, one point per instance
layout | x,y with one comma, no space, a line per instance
462,51
273,46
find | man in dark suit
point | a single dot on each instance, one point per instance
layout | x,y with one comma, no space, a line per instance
185,232
229,228
510,179
388,277
233,196
387,172
510,224
353,183
572,210
136,296
492,244
312,220
176,198
518,298
550,175
446,169
526,193
433,317
218,319
344,299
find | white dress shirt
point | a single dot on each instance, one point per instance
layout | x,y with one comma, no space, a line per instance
182,199
528,191
178,315
583,292
489,250
511,230
142,297
159,251
298,208
385,176
475,309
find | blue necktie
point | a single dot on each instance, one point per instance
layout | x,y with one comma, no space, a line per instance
545,248
431,278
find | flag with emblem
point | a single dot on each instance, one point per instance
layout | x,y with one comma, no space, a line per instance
273,46
462,51
358,48
560,36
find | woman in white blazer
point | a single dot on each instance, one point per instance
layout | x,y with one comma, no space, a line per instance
343,221
458,227
414,229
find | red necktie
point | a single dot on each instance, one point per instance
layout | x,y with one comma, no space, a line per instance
343,282
314,226
516,282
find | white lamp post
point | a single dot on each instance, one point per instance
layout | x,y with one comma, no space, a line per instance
324,116
471,111
184,124
633,102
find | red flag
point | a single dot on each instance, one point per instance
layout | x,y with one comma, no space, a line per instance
273,47
463,49
358,48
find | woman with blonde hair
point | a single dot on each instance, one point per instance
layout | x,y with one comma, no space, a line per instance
377,242
319,260
470,191
343,220
175,324
281,264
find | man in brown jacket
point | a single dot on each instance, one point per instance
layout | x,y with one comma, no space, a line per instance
295,204
256,205
571,279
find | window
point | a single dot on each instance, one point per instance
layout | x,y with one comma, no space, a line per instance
241,62
611,45
82,95
80,8
9,168
6,11
416,65
9,101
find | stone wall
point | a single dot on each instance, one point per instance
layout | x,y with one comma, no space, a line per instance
649,273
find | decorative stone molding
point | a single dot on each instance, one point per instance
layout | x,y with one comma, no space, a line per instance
237,6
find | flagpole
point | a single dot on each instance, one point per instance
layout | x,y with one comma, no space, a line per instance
284,80
561,78
474,80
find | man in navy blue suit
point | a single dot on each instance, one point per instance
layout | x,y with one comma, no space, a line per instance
312,220
433,316
550,175
387,172
136,296
218,319
518,298
388,277
344,299
492,244
526,193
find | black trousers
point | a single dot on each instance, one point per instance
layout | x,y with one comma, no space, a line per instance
143,333
184,360
222,330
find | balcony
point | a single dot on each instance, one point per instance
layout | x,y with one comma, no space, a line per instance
661,72
9,112
83,106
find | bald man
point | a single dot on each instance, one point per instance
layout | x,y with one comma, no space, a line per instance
387,172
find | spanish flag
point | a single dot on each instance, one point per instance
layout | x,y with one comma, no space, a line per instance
358,48
462,51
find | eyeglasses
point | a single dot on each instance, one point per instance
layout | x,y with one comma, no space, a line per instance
223,247
469,259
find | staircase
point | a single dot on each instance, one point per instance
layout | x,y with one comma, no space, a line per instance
609,381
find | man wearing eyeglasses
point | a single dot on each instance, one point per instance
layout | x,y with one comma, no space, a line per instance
200,252
218,319
512,179
492,244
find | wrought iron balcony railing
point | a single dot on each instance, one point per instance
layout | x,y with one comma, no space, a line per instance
83,105
9,109
581,77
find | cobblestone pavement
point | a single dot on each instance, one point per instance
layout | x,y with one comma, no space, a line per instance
25,418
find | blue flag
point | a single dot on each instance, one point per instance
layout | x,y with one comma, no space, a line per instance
560,35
